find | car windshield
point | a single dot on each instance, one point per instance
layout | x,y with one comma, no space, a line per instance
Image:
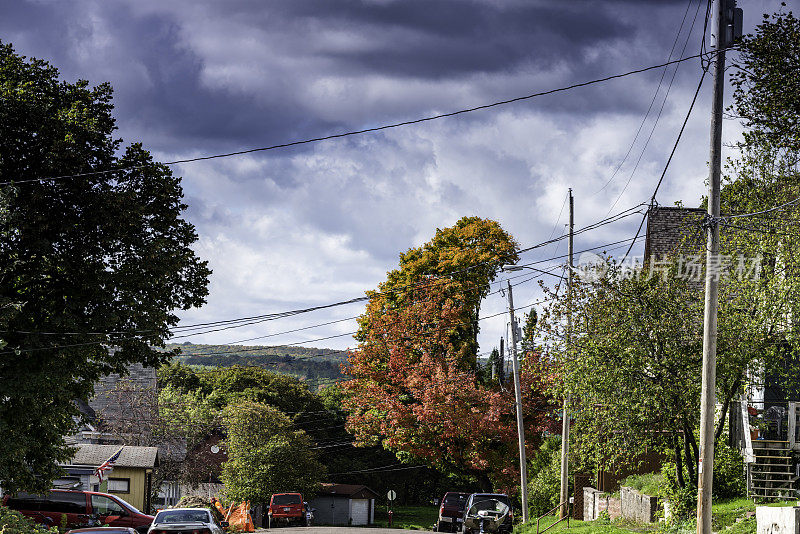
280,500
455,498
182,516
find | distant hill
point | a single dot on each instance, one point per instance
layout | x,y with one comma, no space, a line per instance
317,366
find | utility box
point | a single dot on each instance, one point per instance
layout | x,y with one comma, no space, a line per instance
777,520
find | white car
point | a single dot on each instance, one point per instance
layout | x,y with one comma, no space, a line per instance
186,521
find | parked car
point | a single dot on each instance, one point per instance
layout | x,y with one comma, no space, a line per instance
102,530
78,509
286,508
185,521
478,502
451,511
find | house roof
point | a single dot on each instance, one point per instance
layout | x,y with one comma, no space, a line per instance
357,491
91,454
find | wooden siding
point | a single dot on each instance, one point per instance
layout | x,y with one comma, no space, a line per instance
136,496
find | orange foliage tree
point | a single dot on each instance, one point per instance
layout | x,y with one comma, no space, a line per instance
414,392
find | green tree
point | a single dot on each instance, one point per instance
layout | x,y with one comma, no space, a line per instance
95,264
265,455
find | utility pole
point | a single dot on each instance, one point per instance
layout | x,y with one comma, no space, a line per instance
502,364
724,28
523,463
565,414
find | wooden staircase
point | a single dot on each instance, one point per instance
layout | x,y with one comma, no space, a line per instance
770,475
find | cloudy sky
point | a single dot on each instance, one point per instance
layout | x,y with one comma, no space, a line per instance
323,222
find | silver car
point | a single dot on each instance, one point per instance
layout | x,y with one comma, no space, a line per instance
186,521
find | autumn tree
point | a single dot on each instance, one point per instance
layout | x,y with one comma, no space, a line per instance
471,252
90,259
413,392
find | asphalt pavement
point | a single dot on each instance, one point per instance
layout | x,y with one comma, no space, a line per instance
336,530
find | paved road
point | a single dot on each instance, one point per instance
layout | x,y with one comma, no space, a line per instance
337,530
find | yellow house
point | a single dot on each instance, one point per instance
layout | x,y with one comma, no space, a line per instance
131,478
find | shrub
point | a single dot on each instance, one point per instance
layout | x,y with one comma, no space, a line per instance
683,501
729,478
544,486
649,483
12,522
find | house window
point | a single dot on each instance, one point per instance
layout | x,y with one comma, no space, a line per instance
119,485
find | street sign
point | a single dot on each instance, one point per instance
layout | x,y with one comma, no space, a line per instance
391,495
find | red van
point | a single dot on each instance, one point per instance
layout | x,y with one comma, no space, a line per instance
81,508
288,508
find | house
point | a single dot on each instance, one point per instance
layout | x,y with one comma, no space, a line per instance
763,425
131,478
344,504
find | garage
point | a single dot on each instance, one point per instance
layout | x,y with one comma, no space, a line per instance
344,504
359,512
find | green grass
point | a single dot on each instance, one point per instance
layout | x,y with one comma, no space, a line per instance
728,517
408,517
618,526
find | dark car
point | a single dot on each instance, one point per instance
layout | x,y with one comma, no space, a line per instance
102,530
77,509
471,520
451,512
287,508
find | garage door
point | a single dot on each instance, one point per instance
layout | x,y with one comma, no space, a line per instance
359,511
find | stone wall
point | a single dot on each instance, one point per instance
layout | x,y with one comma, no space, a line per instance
638,506
595,502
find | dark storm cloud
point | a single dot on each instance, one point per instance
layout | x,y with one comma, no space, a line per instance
451,38
157,68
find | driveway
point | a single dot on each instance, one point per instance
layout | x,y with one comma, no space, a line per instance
337,530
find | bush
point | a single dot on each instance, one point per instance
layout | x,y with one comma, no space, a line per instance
649,483
544,487
12,522
729,478
683,501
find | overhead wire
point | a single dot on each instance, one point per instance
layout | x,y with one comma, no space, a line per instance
652,101
357,132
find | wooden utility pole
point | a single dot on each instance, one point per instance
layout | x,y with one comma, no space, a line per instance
523,463
565,414
725,27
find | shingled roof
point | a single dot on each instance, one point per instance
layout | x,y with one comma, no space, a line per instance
94,455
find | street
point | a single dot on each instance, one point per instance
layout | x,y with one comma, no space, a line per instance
335,530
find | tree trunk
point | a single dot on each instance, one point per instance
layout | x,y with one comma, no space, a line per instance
678,462
689,446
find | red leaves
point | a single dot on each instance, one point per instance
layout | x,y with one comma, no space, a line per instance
413,388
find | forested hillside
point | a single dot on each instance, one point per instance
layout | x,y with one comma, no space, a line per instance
316,366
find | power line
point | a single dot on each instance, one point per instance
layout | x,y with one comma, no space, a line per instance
363,131
661,109
245,321
652,101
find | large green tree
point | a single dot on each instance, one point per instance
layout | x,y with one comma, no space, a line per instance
266,455
93,263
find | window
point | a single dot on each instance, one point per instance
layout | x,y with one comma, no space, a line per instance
26,501
183,516
281,499
104,506
66,502
119,485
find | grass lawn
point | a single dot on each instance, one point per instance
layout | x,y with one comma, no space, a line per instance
724,520
408,517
